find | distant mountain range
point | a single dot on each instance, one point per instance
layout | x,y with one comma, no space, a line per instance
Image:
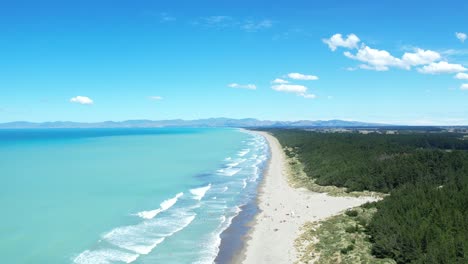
210,122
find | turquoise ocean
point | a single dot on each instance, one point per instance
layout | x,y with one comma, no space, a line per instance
162,195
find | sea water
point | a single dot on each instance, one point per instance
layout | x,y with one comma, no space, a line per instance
160,195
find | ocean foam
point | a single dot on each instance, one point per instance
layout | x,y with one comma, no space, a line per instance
169,203
199,193
222,218
133,238
148,214
243,152
229,171
233,164
144,237
236,163
105,256
254,174
212,245
256,147
163,207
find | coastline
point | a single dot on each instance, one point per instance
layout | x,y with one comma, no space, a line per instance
283,210
232,238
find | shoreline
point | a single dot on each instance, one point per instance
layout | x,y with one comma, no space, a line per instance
282,211
232,238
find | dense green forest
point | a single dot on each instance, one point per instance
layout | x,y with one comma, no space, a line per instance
376,162
425,219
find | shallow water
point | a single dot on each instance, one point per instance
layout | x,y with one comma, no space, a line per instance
123,195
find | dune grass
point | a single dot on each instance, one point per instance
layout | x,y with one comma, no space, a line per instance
339,239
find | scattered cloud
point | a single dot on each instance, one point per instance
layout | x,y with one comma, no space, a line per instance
432,62
302,77
309,96
374,59
299,90
156,98
279,81
454,52
217,20
442,67
420,57
221,22
282,85
250,25
381,60
290,88
291,33
462,76
351,41
165,17
243,86
464,87
84,100
461,36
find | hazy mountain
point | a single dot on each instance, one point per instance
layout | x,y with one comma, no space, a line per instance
210,122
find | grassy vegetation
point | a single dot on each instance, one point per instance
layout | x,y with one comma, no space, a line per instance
340,239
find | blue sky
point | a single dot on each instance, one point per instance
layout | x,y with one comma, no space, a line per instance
395,61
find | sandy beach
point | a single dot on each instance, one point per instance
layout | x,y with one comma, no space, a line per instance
283,210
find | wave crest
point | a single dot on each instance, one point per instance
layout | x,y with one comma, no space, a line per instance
199,193
163,207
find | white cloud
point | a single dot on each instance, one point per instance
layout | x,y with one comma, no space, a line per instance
290,88
461,36
379,60
216,20
309,96
299,90
382,60
351,41
81,100
442,67
464,86
303,77
420,57
165,17
250,25
454,52
243,86
222,22
155,98
279,81
462,76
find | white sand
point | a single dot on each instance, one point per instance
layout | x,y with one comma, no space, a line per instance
284,210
